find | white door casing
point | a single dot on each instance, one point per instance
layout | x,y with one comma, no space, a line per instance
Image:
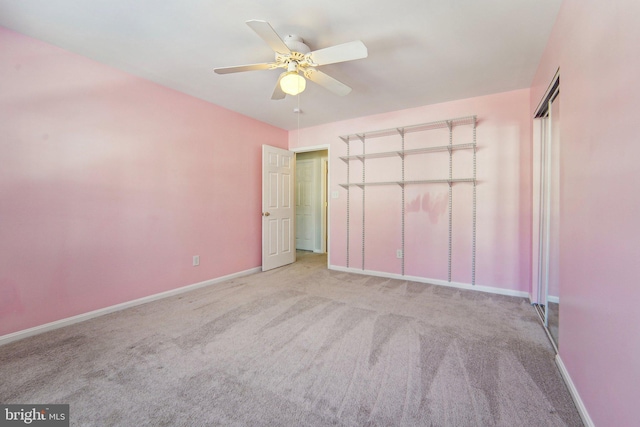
278,236
325,205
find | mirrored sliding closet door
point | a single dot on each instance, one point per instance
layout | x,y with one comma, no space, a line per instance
547,209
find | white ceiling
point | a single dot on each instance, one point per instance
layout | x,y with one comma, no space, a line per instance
420,51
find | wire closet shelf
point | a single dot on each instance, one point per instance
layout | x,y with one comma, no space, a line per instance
402,153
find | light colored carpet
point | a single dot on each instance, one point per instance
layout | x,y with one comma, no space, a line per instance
300,346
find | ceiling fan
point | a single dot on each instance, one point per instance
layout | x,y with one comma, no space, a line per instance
293,55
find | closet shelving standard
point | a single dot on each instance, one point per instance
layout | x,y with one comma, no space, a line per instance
402,183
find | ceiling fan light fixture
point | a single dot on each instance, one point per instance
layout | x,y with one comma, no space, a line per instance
299,61
292,83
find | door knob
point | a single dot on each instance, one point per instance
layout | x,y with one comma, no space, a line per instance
266,214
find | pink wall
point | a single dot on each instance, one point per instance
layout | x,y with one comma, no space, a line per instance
595,45
504,196
109,184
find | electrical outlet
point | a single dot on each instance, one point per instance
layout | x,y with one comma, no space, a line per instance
399,253
335,194
196,260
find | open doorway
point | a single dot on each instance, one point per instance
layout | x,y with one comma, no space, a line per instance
311,207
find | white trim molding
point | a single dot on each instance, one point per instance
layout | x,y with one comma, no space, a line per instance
458,285
25,333
582,410
320,147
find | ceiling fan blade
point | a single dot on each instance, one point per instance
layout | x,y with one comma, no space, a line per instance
339,53
278,93
327,82
240,68
268,34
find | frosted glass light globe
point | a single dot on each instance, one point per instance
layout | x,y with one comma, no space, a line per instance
292,83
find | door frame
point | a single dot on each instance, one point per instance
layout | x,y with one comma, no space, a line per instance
327,211
541,135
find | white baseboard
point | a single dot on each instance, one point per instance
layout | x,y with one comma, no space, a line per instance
15,336
553,299
467,286
582,410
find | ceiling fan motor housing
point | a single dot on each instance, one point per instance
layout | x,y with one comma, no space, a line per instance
298,50
296,44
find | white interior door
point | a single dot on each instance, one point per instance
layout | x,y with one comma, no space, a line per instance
305,209
278,237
